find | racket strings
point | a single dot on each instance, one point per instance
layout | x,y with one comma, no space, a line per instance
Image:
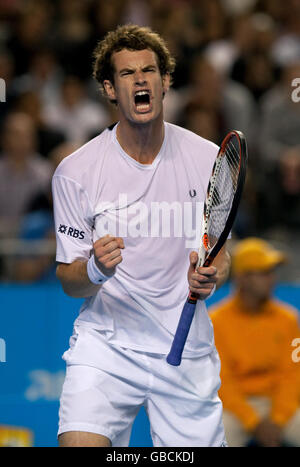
233,158
222,191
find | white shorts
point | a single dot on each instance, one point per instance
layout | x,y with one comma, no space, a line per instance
105,386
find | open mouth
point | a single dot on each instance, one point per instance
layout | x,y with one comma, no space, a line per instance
142,100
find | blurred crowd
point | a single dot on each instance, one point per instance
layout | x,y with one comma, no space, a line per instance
237,67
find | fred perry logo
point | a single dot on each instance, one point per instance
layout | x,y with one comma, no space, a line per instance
192,193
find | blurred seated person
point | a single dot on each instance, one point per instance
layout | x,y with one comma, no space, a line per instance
278,196
30,29
230,101
7,66
258,73
280,120
47,138
72,38
204,122
254,334
74,113
38,225
253,66
23,172
43,76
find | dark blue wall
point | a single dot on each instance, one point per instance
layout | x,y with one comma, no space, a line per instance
35,324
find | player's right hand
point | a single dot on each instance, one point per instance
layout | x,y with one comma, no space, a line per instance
107,253
201,280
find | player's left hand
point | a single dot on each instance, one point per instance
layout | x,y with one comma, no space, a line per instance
203,280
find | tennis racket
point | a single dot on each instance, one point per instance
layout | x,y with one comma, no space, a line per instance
222,199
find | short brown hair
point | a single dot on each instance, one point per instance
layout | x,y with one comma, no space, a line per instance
131,37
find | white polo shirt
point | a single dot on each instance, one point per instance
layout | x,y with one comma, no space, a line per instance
157,209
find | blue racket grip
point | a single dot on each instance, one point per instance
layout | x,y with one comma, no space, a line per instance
186,318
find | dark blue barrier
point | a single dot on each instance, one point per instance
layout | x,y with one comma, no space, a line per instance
35,325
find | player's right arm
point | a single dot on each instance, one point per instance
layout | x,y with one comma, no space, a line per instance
74,276
75,281
77,252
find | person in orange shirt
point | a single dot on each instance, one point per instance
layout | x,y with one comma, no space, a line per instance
254,335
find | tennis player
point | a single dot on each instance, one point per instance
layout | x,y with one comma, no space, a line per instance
127,210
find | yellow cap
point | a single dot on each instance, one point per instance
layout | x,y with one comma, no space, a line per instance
254,254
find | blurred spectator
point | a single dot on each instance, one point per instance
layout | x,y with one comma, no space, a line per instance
274,8
137,12
73,37
253,66
231,101
106,16
248,33
238,7
286,49
23,172
74,114
236,60
245,223
213,20
44,76
173,106
280,125
254,334
256,72
204,122
30,32
6,67
6,73
278,197
47,138
38,224
9,8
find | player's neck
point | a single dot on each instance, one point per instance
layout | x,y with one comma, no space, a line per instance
141,142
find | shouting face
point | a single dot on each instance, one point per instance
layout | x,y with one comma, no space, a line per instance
138,86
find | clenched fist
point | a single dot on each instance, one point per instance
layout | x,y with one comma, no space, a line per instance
107,253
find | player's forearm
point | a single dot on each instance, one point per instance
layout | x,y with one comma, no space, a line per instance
75,281
222,262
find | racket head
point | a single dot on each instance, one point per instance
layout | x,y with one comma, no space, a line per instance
231,160
223,195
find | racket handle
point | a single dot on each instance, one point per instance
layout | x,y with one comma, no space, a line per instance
186,318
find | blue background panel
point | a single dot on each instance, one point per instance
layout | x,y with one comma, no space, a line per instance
36,323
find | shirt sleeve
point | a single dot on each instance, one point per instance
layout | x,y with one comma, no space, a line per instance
73,220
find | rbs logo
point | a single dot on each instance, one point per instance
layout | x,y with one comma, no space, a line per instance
64,229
